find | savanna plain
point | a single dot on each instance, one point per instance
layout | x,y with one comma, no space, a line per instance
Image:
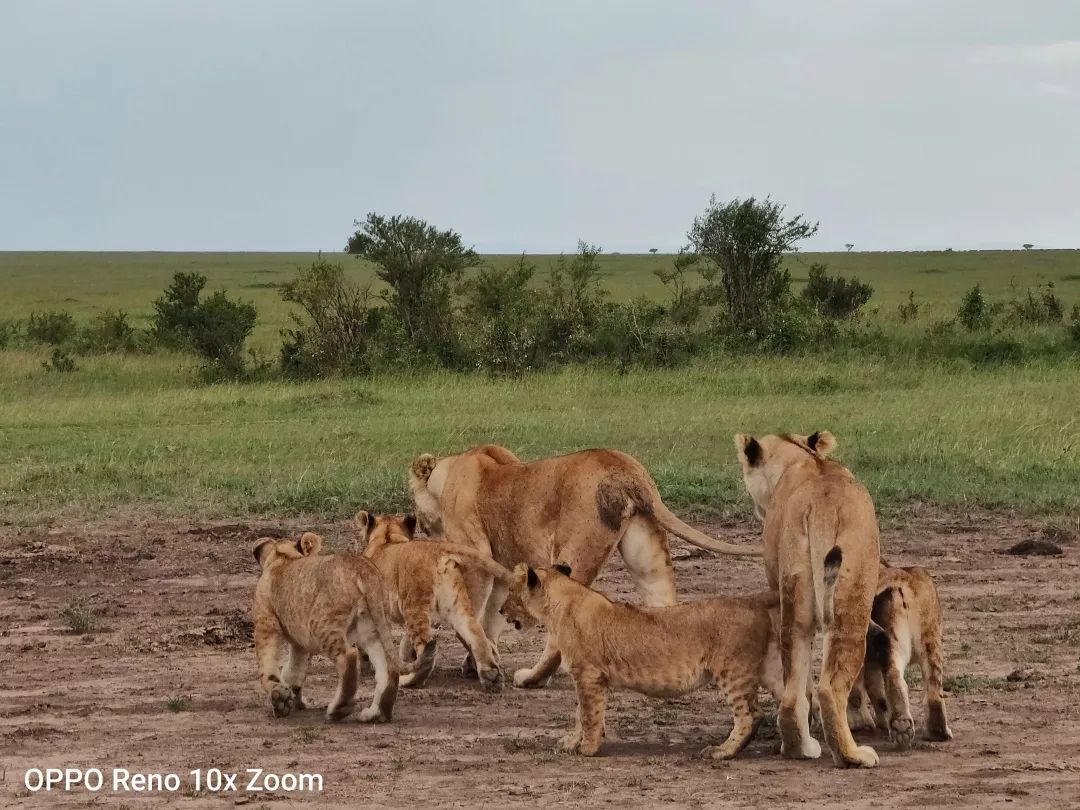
131,493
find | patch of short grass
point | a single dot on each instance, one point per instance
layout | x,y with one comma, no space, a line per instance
962,684
81,618
178,704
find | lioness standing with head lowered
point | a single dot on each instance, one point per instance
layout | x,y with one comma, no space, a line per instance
821,553
573,509
329,603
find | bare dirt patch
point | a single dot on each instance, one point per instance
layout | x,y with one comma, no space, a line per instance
125,643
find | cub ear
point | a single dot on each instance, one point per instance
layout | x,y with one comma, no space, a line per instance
362,519
562,568
262,550
533,579
822,442
748,448
409,524
310,544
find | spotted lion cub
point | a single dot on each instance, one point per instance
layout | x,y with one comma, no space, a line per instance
660,651
310,603
907,608
426,580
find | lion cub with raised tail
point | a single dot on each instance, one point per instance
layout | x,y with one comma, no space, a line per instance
428,579
660,651
907,608
310,603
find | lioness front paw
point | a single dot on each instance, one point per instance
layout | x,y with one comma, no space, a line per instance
718,752
341,711
282,700
863,757
902,730
491,679
569,743
372,714
808,748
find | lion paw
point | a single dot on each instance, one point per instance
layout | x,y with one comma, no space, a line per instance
491,679
282,700
373,714
809,748
902,730
863,757
523,679
717,752
569,743
341,711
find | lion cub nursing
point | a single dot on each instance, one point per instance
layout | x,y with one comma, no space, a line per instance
660,651
433,579
310,603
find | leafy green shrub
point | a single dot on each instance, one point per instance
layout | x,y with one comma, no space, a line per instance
215,327
641,333
499,308
689,302
569,308
1040,307
110,331
9,332
335,335
974,312
908,310
835,296
53,328
1074,325
60,361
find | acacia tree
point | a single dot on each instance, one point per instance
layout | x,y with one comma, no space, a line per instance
746,241
420,264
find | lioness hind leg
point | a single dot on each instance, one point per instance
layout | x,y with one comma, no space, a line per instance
366,636
796,640
931,662
644,549
842,657
860,715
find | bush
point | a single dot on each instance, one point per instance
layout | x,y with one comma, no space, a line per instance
53,328
110,332
835,296
9,332
499,307
642,333
974,313
338,328
214,327
1040,307
908,310
999,350
1074,325
60,361
569,308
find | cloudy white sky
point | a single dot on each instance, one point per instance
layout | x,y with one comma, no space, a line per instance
271,125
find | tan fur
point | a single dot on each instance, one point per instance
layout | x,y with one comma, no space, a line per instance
814,512
907,609
660,651
425,580
574,509
308,603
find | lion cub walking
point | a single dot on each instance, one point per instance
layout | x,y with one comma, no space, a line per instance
907,608
313,603
660,651
433,579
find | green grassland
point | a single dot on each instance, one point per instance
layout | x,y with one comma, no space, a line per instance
139,431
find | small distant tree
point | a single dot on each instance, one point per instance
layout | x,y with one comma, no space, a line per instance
653,251
420,264
746,241
849,246
974,312
1027,246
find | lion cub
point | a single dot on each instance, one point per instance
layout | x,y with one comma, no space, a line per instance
660,651
312,603
907,608
427,579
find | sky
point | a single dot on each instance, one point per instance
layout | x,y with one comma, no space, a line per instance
526,126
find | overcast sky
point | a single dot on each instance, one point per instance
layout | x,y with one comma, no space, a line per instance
524,125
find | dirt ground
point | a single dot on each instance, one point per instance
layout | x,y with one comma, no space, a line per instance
164,681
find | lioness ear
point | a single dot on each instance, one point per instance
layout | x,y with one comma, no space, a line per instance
748,449
262,548
562,568
822,442
310,543
409,523
533,579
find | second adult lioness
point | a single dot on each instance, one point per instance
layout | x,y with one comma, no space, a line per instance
573,509
425,580
821,553
661,651
907,608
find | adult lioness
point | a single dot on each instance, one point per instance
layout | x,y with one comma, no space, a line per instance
308,602
907,608
821,552
573,509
